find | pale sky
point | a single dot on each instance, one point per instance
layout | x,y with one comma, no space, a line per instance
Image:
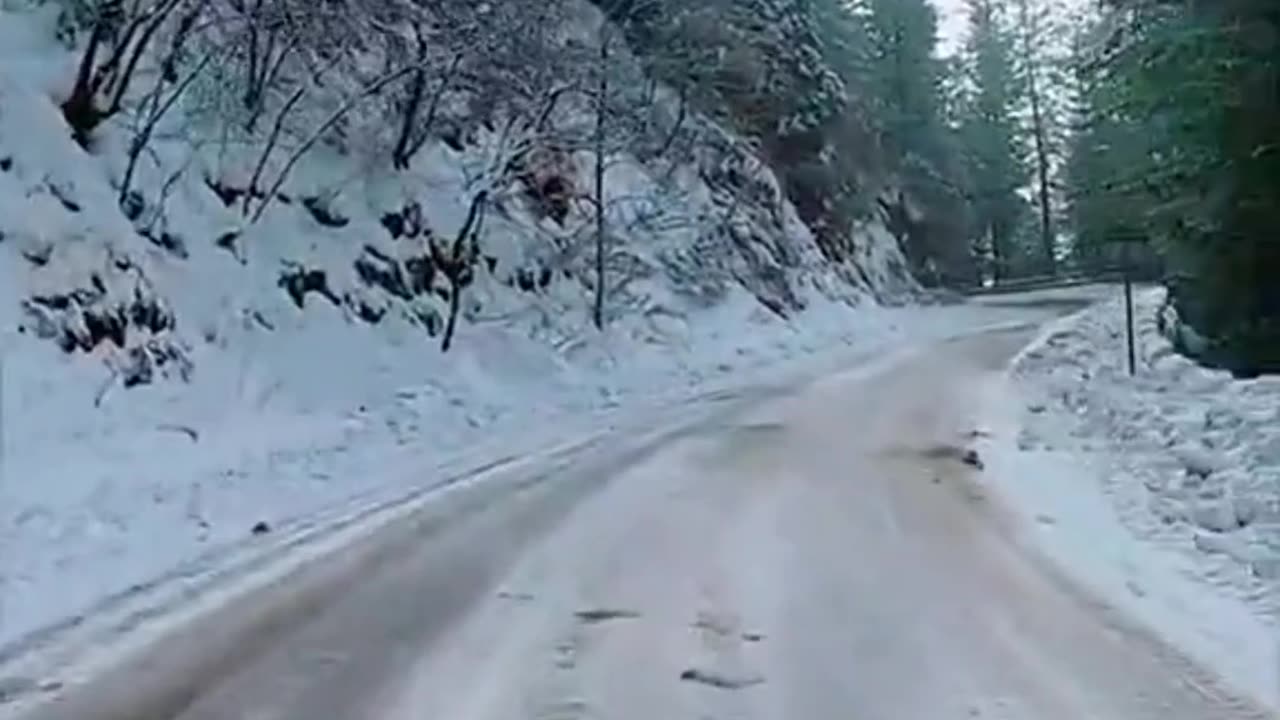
952,19
951,22
951,25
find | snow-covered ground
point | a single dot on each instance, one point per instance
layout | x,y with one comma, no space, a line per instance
1160,491
251,407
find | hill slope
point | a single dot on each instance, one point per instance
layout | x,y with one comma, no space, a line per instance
179,363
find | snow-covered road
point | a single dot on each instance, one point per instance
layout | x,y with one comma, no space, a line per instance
814,553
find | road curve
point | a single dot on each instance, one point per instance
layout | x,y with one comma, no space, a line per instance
825,553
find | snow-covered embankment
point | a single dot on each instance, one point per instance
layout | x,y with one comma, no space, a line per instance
176,376
1160,491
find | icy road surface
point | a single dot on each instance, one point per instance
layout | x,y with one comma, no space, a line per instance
803,554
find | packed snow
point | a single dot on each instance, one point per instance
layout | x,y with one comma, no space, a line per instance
181,388
1160,490
176,386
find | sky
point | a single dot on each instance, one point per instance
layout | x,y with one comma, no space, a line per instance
952,19
951,25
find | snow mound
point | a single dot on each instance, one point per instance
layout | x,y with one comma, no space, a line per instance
1197,452
1188,461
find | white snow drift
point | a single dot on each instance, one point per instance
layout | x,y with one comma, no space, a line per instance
1162,490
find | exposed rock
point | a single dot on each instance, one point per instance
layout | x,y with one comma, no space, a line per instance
171,243
365,309
525,280
299,282
228,241
394,224
407,222
376,269
155,358
322,213
83,318
37,251
227,193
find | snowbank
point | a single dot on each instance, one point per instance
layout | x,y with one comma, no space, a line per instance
1161,491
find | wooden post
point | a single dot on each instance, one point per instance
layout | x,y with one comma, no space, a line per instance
1128,309
4,556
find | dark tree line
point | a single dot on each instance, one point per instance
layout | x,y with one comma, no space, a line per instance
1179,150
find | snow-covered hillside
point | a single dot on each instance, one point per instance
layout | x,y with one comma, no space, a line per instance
1162,489
175,374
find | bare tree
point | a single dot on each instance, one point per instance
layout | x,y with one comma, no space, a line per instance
417,90
407,145
266,53
369,90
602,99
457,262
158,104
101,85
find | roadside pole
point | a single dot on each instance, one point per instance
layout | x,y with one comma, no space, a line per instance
1128,309
4,477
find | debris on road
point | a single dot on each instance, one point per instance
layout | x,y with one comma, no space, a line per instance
719,680
972,459
603,615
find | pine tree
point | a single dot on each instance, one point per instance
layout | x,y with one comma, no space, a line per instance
905,76
1031,25
1196,82
991,136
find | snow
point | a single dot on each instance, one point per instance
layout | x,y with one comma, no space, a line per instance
1157,491
258,411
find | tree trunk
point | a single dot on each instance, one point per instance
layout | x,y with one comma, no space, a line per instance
457,265
417,88
1042,150
601,103
455,305
400,156
79,109
424,132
